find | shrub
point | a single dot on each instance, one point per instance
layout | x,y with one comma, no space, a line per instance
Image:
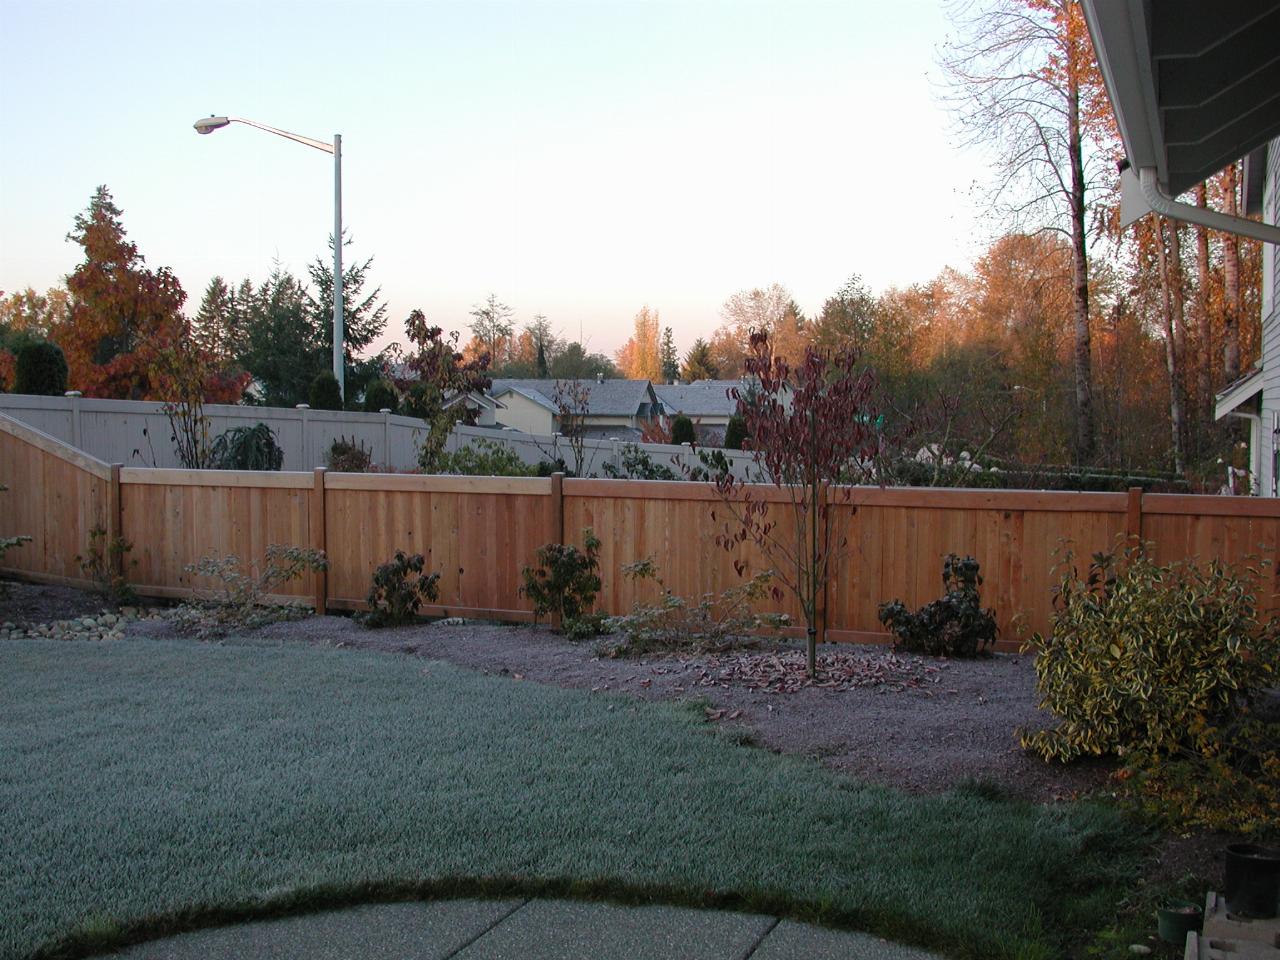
735,434
565,583
682,430
41,370
381,396
1150,661
638,465
240,600
246,448
399,587
348,456
711,624
953,626
103,562
484,458
546,468
325,394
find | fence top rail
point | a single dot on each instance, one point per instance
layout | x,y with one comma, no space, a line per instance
54,447
1211,506
291,480
438,483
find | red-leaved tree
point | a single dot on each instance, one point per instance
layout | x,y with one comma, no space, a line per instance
814,428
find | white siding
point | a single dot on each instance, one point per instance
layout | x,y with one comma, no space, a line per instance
1270,324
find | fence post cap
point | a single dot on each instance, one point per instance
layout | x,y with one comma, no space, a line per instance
303,406
73,393
385,410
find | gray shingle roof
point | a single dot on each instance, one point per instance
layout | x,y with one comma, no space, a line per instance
612,398
703,398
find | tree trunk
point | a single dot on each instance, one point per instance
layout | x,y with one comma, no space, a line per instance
1085,440
1231,287
1170,348
1204,369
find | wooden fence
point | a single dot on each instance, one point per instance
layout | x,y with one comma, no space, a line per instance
479,532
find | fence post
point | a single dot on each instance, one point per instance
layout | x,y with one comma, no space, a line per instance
75,419
1133,517
318,540
115,523
386,439
557,522
824,531
304,409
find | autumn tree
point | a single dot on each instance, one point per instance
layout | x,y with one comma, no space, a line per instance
640,358
121,313
1025,83
698,364
809,425
27,315
757,310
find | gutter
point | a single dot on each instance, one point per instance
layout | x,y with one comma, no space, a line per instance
1140,194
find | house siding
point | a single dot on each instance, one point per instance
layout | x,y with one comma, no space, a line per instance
1270,326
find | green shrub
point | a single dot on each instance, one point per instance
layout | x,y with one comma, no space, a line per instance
735,434
484,458
380,396
682,430
1150,660
638,465
565,582
103,562
710,624
348,456
953,626
399,587
41,370
246,448
241,600
325,394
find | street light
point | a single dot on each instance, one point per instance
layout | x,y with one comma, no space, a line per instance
210,124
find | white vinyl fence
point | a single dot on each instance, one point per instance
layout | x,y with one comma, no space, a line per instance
136,433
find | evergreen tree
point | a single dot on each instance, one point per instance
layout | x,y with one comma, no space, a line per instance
219,326
364,317
682,430
282,350
697,362
670,359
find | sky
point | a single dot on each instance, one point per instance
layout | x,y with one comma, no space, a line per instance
577,159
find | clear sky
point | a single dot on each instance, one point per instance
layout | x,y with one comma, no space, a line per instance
578,159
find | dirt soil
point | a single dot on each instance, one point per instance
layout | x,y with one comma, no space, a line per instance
24,604
917,723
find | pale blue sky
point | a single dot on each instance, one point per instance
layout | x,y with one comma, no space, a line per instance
577,159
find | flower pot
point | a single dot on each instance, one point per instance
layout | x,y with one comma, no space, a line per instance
1252,881
1176,919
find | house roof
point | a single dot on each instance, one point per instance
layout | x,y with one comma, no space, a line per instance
702,398
1195,86
1241,396
608,398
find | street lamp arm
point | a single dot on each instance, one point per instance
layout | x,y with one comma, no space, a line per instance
296,138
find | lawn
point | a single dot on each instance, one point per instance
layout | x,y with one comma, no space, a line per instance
148,786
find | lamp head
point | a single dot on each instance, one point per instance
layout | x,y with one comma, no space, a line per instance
210,124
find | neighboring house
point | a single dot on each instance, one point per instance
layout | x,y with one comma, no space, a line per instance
706,402
613,408
1194,89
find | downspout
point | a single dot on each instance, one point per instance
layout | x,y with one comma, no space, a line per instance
1255,450
1148,188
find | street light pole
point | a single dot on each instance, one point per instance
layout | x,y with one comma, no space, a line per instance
210,124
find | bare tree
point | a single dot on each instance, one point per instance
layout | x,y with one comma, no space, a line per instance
1024,82
493,327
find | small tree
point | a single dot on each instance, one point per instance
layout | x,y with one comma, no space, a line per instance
735,434
381,396
811,427
435,374
682,430
325,394
573,402
41,370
